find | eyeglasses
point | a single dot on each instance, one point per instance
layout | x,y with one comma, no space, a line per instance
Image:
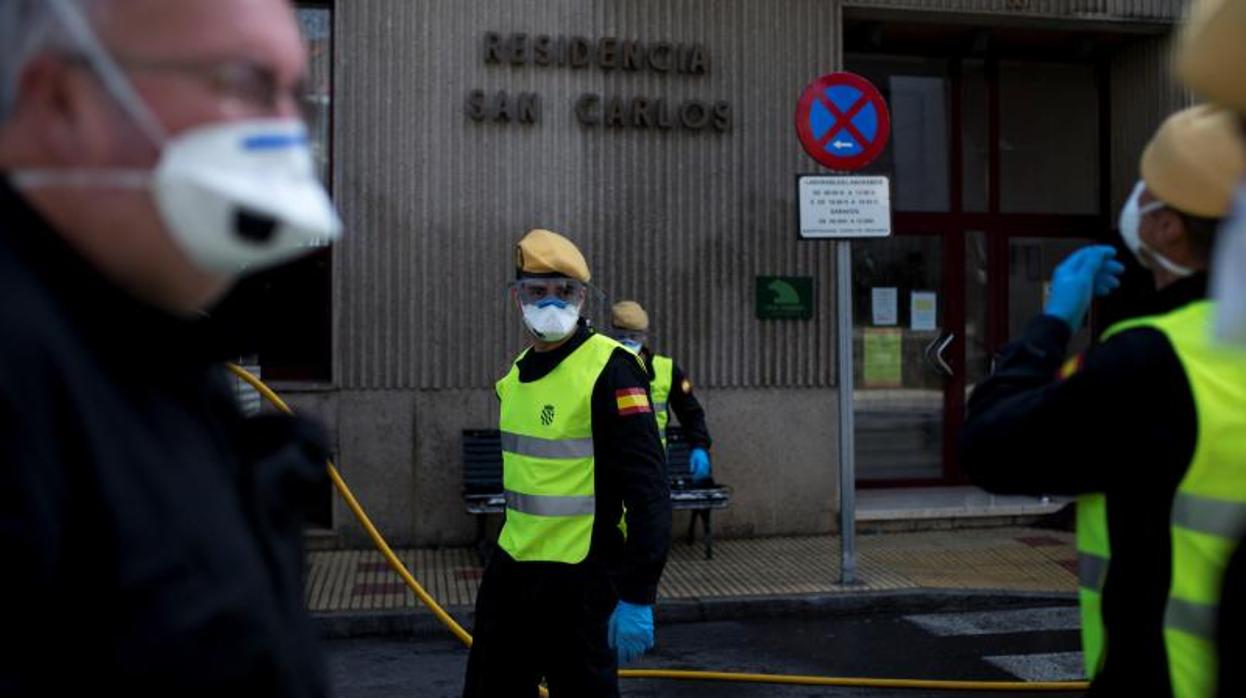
533,291
245,81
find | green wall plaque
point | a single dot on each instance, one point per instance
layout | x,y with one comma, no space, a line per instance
784,297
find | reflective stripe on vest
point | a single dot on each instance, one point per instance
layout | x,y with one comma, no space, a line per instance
1208,514
1218,517
1092,571
660,388
548,465
547,505
1192,618
546,448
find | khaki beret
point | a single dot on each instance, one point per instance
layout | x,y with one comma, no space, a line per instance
546,253
1211,52
1195,161
628,315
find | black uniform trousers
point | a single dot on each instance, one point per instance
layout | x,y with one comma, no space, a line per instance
539,620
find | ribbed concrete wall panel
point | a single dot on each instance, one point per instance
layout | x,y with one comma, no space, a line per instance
1110,10
682,221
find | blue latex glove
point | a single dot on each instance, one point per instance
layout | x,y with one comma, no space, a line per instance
699,459
630,630
1088,272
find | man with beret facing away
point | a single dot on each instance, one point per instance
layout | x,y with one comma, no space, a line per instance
1148,427
569,594
669,385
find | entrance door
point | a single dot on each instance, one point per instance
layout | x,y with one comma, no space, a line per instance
986,204
900,346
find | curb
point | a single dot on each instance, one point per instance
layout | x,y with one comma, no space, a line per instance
420,624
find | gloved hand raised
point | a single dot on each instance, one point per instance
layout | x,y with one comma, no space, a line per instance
699,459
630,630
1088,272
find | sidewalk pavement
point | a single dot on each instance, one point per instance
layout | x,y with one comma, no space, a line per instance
1003,561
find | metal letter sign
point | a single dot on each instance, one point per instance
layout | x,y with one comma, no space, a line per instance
843,206
842,121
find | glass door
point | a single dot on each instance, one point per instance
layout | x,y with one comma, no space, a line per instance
900,347
907,309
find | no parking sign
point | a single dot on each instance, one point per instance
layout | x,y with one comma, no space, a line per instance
842,121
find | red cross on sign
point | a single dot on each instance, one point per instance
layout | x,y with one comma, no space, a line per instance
842,121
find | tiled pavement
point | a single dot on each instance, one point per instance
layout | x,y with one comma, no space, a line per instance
998,559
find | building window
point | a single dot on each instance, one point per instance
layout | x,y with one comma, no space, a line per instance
1049,138
283,317
917,156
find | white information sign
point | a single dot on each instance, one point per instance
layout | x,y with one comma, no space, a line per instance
844,207
923,310
886,301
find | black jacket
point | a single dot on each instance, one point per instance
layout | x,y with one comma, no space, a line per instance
630,470
152,533
1231,640
684,404
1124,425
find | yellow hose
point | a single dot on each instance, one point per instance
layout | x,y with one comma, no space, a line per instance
674,674
377,539
798,680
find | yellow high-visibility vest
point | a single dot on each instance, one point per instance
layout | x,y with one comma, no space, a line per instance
660,387
1208,515
548,464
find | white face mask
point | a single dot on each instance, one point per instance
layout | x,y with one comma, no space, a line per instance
1229,275
551,320
1131,222
236,196
632,345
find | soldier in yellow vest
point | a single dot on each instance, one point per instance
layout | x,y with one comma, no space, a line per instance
1210,57
569,596
1148,427
670,385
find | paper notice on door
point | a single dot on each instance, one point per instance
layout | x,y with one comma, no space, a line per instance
883,358
886,301
924,310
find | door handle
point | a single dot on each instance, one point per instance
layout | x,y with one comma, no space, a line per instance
934,353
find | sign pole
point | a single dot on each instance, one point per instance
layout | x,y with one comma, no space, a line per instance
843,123
847,433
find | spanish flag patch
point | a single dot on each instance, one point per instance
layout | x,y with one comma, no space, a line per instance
632,401
1071,367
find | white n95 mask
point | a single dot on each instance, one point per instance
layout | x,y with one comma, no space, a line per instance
236,196
244,195
1131,222
551,320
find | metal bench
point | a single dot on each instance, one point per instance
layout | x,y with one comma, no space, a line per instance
482,484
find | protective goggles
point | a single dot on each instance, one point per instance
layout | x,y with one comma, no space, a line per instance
536,291
630,336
